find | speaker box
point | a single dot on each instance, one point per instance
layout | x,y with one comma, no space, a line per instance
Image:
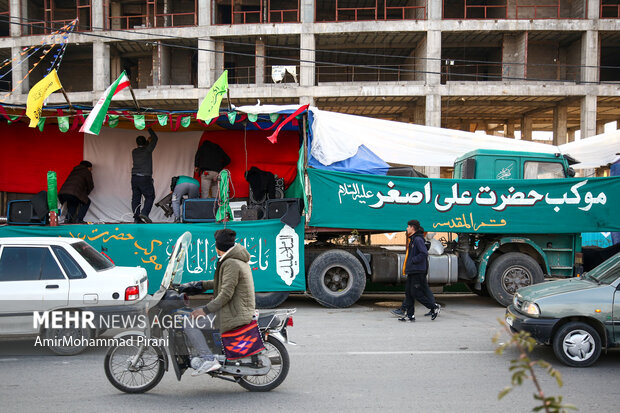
277,208
252,212
199,210
21,212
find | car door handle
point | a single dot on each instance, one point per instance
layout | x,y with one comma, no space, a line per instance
51,286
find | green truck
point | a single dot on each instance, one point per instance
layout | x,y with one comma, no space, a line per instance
518,218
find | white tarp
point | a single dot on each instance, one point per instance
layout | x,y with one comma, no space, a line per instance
110,153
337,136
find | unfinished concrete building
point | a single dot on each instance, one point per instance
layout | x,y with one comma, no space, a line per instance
505,67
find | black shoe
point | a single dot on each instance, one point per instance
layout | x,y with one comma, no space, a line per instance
435,312
398,312
430,312
405,319
145,219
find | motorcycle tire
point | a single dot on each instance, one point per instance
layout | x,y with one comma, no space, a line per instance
147,374
276,352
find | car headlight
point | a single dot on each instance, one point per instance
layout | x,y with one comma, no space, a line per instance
531,309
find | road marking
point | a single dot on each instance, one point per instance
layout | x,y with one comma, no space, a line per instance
387,353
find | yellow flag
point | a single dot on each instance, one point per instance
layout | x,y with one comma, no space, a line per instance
38,94
210,106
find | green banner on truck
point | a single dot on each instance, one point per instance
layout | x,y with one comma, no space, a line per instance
276,250
572,205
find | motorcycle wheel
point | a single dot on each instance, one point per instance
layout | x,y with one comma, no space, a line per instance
278,355
144,376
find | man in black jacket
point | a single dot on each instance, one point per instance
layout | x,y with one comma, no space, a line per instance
415,268
142,177
75,192
209,161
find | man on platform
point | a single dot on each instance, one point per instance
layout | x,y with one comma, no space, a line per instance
75,192
142,177
209,161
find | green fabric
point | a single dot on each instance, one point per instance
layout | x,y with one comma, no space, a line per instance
210,105
572,205
252,117
138,121
63,123
12,119
113,121
162,119
41,124
276,251
233,290
274,117
232,116
187,179
296,188
186,121
224,211
52,191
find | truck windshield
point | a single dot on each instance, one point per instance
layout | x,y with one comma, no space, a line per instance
98,261
608,271
543,170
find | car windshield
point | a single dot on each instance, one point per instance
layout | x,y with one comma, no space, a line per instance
97,260
608,271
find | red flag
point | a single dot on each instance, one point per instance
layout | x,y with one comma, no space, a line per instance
273,138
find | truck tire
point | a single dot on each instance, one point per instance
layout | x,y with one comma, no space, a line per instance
336,279
270,300
508,273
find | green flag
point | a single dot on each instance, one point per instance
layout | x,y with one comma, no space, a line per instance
224,212
232,116
113,121
186,121
162,119
252,117
63,123
274,117
210,106
138,122
41,124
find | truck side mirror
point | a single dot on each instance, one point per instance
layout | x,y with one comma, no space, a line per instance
571,171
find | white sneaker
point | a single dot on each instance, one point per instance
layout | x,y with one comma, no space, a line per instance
206,367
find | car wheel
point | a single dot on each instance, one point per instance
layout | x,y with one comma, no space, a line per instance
508,273
577,344
68,341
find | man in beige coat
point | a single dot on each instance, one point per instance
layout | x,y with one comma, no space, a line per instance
233,297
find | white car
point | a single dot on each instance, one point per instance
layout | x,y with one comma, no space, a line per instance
53,273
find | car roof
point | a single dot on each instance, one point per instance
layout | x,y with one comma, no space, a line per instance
38,240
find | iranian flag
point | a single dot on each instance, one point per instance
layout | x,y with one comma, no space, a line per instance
94,121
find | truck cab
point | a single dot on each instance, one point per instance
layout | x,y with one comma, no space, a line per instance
496,164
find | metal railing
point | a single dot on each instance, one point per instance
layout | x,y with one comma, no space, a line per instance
470,72
386,73
551,10
355,12
282,13
8,15
241,17
475,11
538,8
265,14
46,27
610,11
245,75
153,20
404,10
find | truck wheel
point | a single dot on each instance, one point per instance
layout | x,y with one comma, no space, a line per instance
336,279
270,300
508,273
577,344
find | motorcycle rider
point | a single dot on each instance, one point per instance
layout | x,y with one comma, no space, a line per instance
233,299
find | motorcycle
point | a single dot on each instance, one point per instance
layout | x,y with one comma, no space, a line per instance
138,362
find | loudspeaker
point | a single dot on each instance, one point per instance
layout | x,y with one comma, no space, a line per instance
21,212
277,208
199,210
252,212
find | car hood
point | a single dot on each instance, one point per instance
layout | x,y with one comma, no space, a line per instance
546,289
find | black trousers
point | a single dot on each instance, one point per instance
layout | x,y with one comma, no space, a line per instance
76,209
142,186
416,288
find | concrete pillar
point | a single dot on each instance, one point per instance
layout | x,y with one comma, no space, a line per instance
588,116
15,7
307,67
101,65
97,16
511,8
161,65
589,57
18,71
306,13
600,127
219,60
206,62
594,9
259,70
560,118
306,100
432,60
433,118
571,135
526,128
115,10
419,115
509,131
434,10
204,13
513,56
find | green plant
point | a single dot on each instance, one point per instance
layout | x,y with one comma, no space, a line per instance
523,368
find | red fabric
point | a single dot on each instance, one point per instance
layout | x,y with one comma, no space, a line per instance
27,154
279,159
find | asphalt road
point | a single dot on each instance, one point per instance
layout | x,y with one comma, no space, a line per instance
355,359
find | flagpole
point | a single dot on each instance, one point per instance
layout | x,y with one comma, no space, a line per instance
62,89
134,99
228,97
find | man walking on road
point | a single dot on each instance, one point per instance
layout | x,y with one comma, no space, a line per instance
142,177
415,268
